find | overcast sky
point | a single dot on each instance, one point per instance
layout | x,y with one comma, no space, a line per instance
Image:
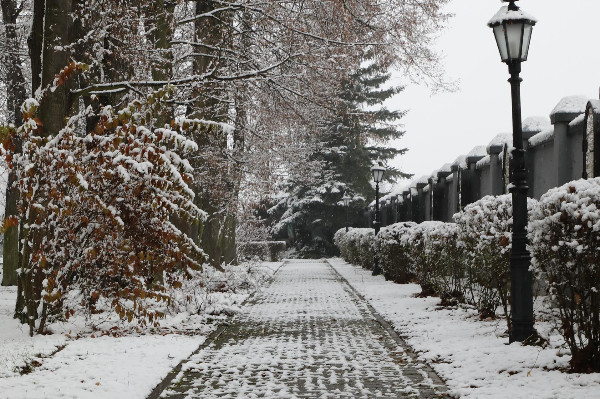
564,59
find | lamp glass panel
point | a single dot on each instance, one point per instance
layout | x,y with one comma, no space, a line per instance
514,33
526,41
500,39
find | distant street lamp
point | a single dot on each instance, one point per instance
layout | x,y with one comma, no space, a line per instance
512,29
347,199
377,172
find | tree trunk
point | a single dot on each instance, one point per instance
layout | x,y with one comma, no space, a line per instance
241,97
55,105
35,42
15,96
161,15
53,111
210,32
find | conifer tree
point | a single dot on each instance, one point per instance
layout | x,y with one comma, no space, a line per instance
351,141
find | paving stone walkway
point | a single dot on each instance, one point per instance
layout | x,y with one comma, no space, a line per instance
307,335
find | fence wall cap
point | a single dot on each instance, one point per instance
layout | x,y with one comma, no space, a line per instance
446,168
422,180
475,155
474,158
568,108
442,174
496,146
460,162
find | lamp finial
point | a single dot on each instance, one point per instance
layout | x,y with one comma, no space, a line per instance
511,6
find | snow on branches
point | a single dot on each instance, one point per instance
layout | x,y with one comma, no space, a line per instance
96,213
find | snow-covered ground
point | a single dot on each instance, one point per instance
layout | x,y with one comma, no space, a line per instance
78,362
472,356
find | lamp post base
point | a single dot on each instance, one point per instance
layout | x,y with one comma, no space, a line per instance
376,267
523,334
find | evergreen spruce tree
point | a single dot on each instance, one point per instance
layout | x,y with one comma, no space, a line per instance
351,143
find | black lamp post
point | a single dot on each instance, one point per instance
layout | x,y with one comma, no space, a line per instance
377,172
512,29
347,199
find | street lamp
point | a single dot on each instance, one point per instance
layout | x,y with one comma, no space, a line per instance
377,172
347,199
512,29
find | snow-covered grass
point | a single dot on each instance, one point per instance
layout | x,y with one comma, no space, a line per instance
473,356
78,361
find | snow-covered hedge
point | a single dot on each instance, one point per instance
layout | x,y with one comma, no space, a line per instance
469,260
393,253
443,271
356,246
262,250
485,237
417,240
340,240
565,242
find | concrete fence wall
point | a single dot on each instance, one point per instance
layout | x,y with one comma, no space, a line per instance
558,149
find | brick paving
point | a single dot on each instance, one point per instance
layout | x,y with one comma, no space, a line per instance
307,335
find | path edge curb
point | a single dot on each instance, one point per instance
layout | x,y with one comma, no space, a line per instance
389,328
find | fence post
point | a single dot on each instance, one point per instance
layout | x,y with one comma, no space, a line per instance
496,178
565,111
420,206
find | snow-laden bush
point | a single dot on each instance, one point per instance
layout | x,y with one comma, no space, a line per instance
339,239
485,237
443,270
96,213
356,246
218,293
393,253
416,241
565,241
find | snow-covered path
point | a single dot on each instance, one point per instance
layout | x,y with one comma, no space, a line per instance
306,335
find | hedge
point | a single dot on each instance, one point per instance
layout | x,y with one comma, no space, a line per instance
263,250
485,236
356,246
565,242
394,259
469,260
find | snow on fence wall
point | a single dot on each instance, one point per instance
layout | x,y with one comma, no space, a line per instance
559,149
